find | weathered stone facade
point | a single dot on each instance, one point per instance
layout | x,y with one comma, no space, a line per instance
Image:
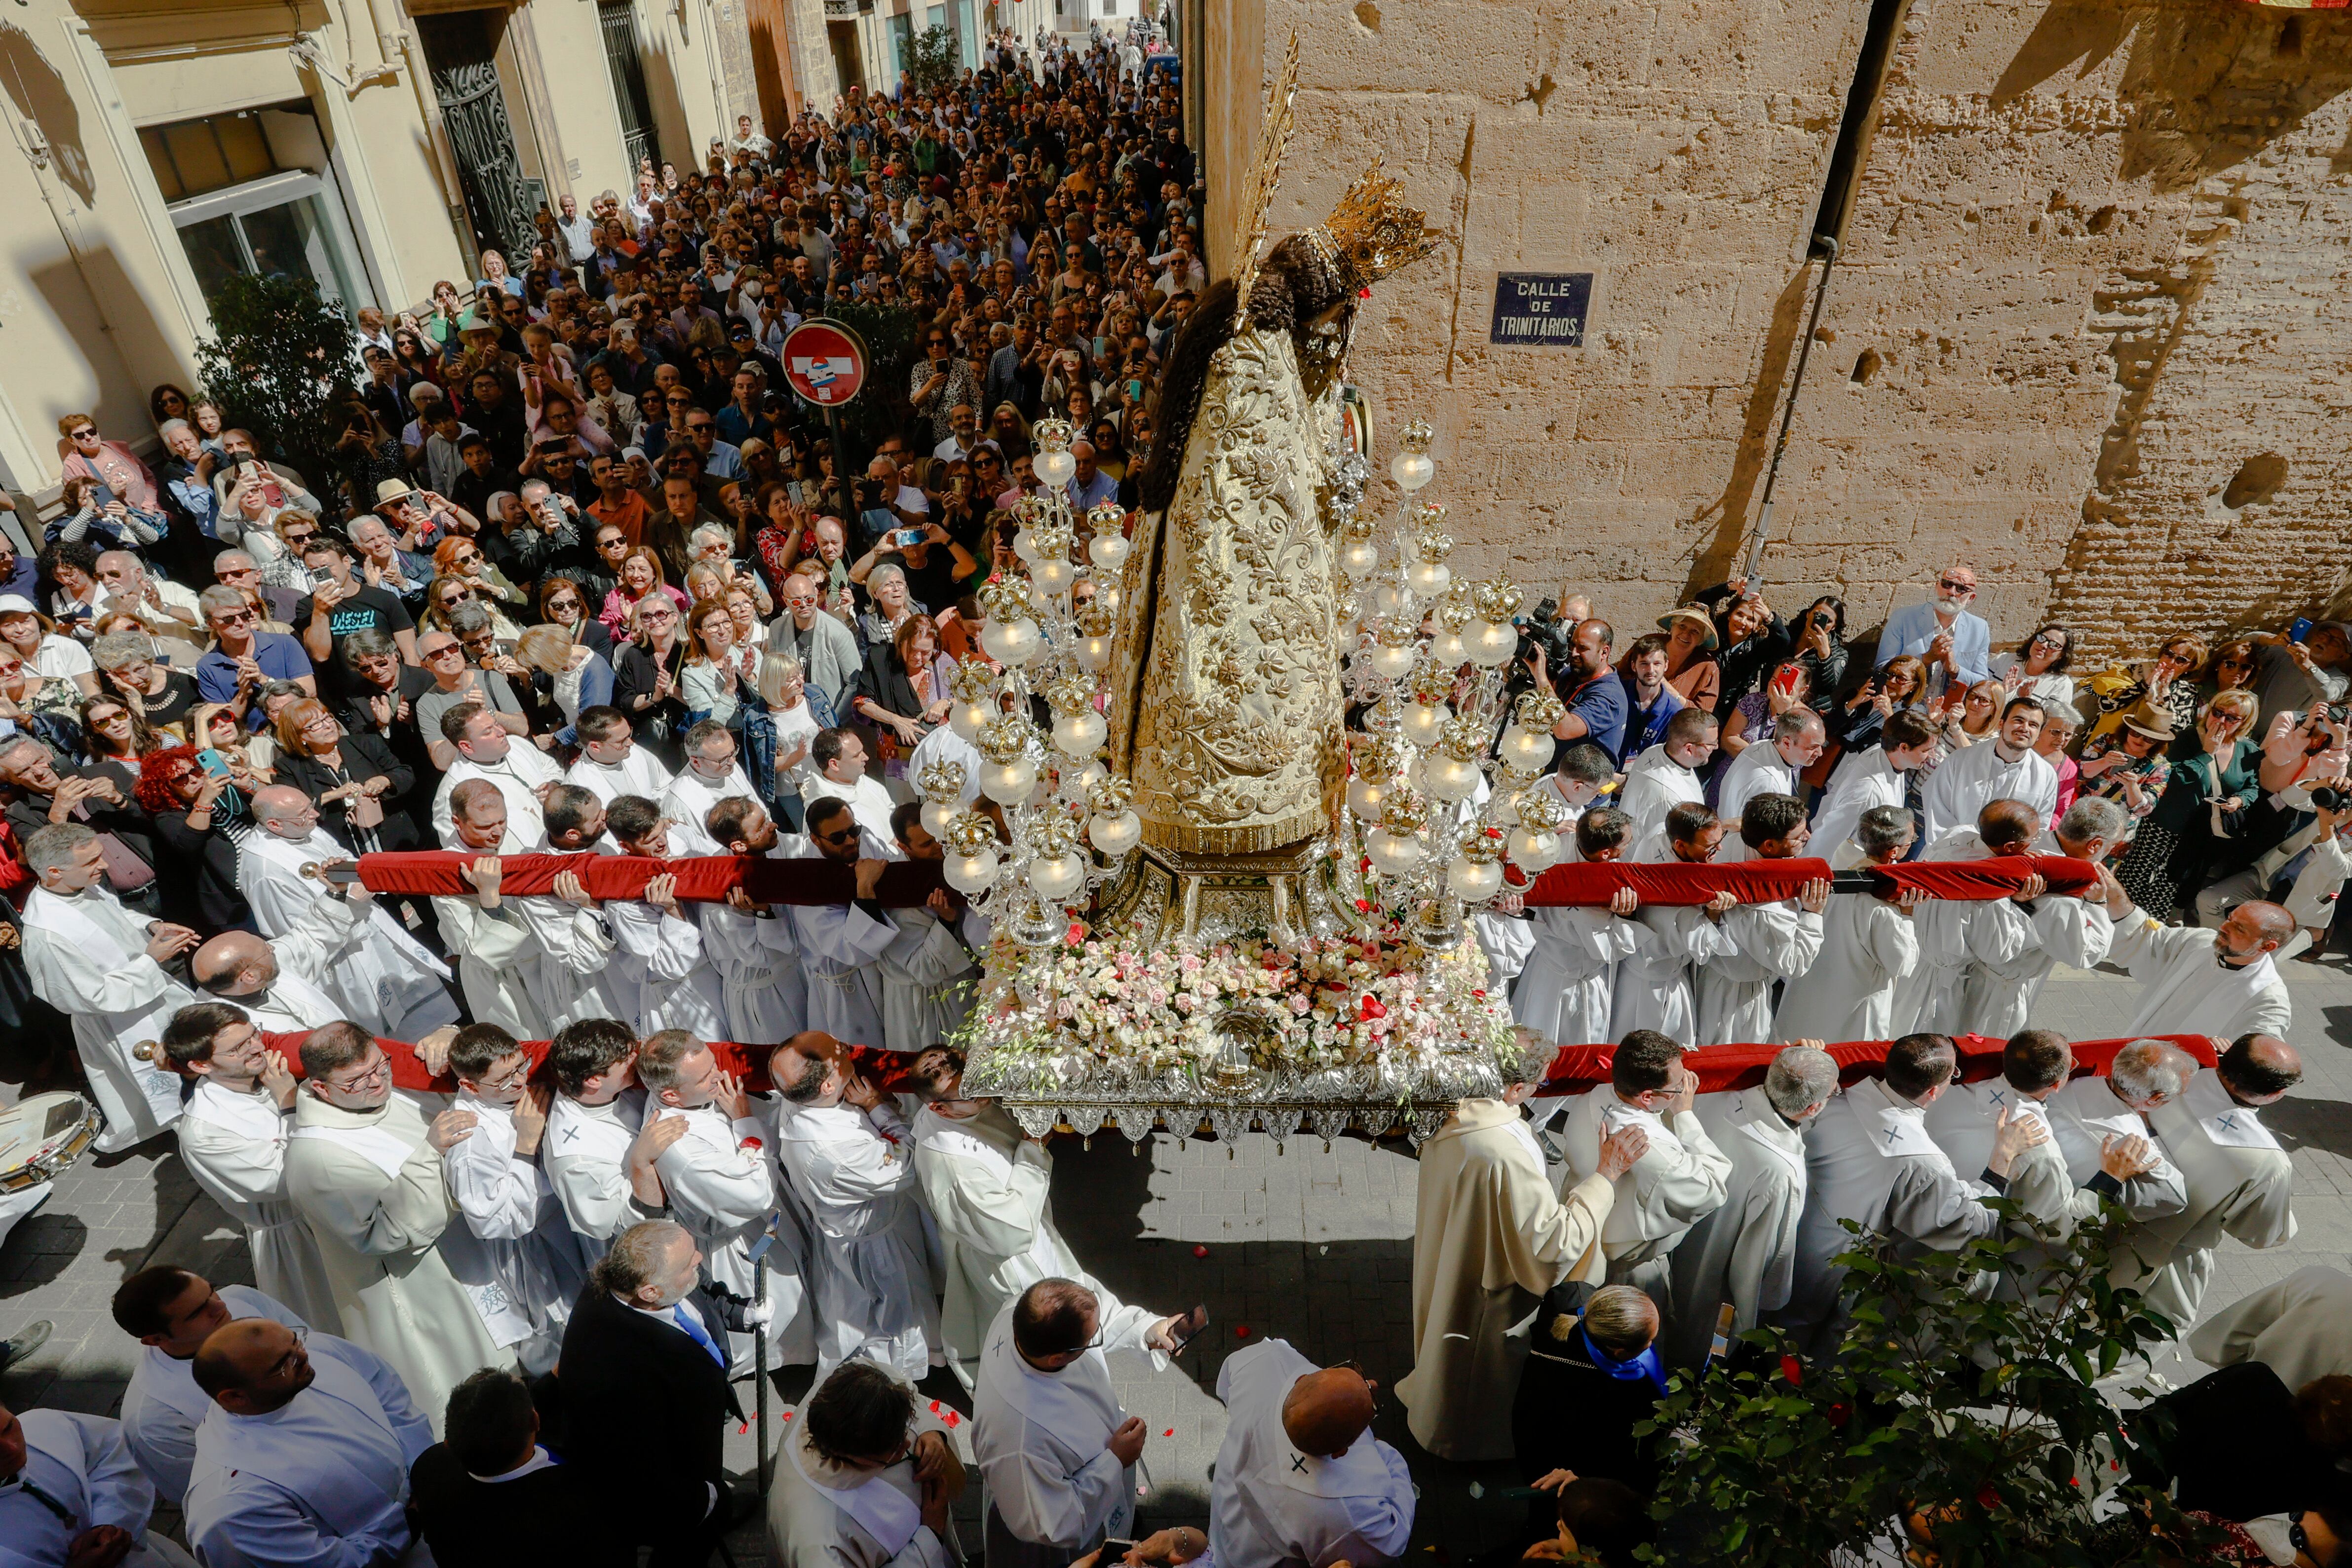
2089,331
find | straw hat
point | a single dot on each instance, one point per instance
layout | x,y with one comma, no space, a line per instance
2154,722
1690,612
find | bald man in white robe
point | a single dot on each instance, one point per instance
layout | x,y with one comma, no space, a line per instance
2223,983
2092,1113
161,1406
1300,1477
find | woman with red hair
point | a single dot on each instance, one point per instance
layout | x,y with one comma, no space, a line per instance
190,805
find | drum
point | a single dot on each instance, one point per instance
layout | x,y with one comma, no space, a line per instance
42,1135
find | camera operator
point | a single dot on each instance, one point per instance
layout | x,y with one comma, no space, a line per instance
1587,682
549,536
2304,872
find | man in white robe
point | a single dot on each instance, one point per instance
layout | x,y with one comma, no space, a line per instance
840,942
1769,943
712,774
611,763
233,1140
865,1478
1057,1448
1666,775
840,757
304,1456
600,1150
577,977
503,1196
71,1494
102,965
930,970
497,956
171,1313
2301,1328
2239,1182
363,1172
1658,987
1932,998
1774,767
386,980
1865,779
1490,1237
2004,767
485,750
2223,983
2093,1112
1504,928
2014,943
1300,1477
1869,1159
1868,945
755,947
988,1186
1563,994
660,965
721,1187
1681,1177
281,984
850,1159
1743,1255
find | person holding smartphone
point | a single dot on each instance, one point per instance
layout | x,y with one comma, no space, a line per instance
935,566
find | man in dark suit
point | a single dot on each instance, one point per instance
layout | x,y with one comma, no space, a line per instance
643,1375
489,1496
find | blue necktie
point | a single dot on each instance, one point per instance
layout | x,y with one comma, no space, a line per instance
696,1332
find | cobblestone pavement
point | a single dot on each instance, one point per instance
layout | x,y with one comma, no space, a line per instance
1311,1246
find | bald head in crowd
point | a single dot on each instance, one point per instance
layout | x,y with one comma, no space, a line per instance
2009,827
1325,1412
233,964
2259,1068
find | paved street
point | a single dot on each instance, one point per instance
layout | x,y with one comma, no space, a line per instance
1311,1246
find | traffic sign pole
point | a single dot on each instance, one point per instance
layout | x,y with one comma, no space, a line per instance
826,363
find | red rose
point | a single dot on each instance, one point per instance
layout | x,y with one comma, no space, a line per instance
1371,1007
1363,907
1839,1414
1793,1370
1987,1497
1076,934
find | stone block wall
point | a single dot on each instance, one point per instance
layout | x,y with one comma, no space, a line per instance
2087,332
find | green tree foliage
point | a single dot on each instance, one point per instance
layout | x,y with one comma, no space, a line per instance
888,331
278,359
932,61
1957,1407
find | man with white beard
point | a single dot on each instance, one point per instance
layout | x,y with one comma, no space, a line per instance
1867,948
576,947
1681,1178
2014,943
102,965
1050,1436
485,750
1658,988
493,1173
171,1313
2003,767
2093,1112
2239,1179
1869,1159
498,957
1742,1256
386,979
611,763
1563,992
849,1157
755,946
839,941
233,1140
660,963
721,1186
364,1170
1865,779
712,774
1774,767
601,1150
930,970
1771,942
2223,983
1666,775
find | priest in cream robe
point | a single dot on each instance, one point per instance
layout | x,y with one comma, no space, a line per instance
524,773
1563,994
1769,943
1866,780
576,977
712,774
1774,767
497,956
1490,1237
1057,1448
102,965
280,985
1658,987
172,1311
233,1140
1300,1477
2014,943
599,1146
387,980
1681,1177
362,1170
722,1188
840,942
2096,1111
2239,1181
1868,946
755,946
865,1478
2002,767
930,970
988,1186
660,966
2221,983
304,1456
1743,1255
1666,775
86,1482
1869,1159
611,763
503,1197
2301,1328
849,1157
1932,999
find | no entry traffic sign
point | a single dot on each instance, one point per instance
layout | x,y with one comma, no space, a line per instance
825,363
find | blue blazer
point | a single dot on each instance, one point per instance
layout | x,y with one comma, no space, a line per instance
1910,629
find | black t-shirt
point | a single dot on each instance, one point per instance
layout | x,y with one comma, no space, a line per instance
934,585
367,609
171,708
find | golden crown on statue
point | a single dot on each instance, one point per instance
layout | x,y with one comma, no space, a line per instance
1371,232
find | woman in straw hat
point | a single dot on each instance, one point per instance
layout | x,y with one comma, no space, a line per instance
2127,764
1691,668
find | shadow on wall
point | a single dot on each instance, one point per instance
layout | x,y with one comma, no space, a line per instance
99,305
665,98
39,93
1718,556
